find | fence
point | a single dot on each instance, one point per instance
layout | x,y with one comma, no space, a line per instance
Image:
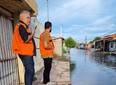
8,61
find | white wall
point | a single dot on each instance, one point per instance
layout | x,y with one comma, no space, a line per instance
58,46
38,60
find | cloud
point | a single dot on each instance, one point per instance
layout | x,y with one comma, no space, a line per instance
80,18
100,27
72,9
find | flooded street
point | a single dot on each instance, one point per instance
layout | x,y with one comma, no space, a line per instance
93,68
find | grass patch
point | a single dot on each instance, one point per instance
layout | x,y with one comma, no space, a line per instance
64,50
72,66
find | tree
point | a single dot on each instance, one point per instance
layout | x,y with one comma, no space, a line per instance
95,39
70,43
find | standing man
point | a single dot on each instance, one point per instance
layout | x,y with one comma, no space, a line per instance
23,44
46,50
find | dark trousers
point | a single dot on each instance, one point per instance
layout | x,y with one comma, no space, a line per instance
29,68
47,69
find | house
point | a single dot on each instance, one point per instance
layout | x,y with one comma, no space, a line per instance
107,43
82,46
88,46
112,43
99,45
11,68
112,46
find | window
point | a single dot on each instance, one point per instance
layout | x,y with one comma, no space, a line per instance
111,44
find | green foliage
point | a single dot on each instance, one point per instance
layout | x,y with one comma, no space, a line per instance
64,50
70,42
95,39
72,66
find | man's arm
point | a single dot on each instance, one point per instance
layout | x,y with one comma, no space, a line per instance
30,36
26,37
48,43
23,33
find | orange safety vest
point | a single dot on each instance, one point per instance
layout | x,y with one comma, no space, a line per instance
18,45
45,53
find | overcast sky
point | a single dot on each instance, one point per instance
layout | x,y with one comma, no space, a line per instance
80,18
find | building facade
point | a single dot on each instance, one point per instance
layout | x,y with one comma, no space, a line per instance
107,43
11,68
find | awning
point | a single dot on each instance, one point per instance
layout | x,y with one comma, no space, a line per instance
15,6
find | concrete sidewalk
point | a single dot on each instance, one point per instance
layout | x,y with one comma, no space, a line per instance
60,74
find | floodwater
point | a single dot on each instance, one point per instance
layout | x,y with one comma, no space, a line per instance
92,68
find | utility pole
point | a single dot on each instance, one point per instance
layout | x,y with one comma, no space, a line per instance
86,39
47,10
61,30
86,42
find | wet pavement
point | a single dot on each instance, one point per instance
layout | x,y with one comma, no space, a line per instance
93,68
60,74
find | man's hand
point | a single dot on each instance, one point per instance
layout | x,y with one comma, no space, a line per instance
31,36
49,46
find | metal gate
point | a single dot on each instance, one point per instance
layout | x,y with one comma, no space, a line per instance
8,61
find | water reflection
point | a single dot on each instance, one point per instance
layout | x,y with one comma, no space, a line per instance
93,68
105,59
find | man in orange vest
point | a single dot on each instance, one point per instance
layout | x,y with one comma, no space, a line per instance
23,44
46,50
